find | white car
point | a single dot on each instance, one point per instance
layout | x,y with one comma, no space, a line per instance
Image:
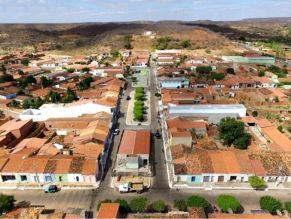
116,132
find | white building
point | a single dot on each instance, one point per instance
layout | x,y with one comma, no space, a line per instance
212,113
73,110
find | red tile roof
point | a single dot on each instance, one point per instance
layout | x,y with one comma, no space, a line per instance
135,142
108,210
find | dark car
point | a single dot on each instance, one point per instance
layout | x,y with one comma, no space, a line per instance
157,134
128,98
51,189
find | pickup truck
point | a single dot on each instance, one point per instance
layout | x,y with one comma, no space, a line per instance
131,187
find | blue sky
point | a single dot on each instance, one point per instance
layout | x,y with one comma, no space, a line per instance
51,11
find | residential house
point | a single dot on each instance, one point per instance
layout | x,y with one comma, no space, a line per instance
179,82
133,156
108,211
182,131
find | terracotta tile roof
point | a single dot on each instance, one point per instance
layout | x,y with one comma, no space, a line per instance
278,138
14,125
182,123
34,164
35,143
13,165
59,164
89,150
108,210
258,167
77,165
249,119
264,123
48,149
90,167
135,142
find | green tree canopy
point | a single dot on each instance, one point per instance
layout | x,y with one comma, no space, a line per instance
6,203
158,206
138,204
232,131
44,82
6,78
228,202
203,69
230,71
69,96
181,205
54,97
197,202
270,204
123,206
256,182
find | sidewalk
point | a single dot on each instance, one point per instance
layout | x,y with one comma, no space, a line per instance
129,115
36,186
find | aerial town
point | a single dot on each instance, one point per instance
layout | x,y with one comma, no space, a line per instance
168,130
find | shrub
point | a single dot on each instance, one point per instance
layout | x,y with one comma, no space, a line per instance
230,71
103,201
226,202
288,206
270,204
280,128
123,206
254,113
232,131
158,206
256,182
138,204
138,103
261,74
6,203
197,202
181,205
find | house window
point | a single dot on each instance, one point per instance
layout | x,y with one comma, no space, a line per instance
8,178
206,178
193,178
77,179
23,178
60,178
48,178
232,178
145,162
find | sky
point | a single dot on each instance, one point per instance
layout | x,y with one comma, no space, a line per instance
65,11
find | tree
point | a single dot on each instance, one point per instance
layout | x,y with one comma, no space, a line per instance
86,69
158,206
254,113
53,97
69,96
44,82
232,131
270,204
25,62
280,128
197,202
243,141
14,104
288,206
276,99
20,72
36,103
115,53
103,201
217,76
26,104
203,69
123,206
85,83
261,74
181,205
70,70
228,202
230,71
256,182
138,204
185,44
6,78
127,42
6,203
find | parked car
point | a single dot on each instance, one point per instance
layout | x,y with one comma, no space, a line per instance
116,132
128,98
157,134
50,189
